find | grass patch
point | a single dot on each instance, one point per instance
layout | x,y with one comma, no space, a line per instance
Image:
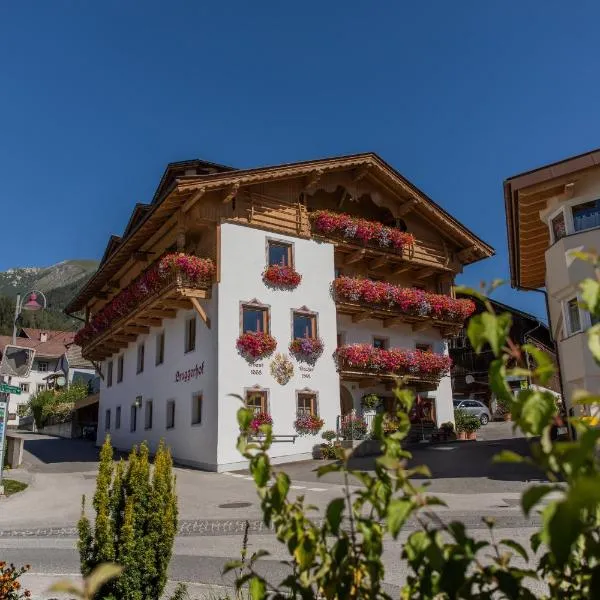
12,486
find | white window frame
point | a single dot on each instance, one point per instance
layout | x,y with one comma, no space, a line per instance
24,387
46,366
567,209
584,317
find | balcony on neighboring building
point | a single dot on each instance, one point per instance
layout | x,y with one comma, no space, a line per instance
379,247
370,366
393,304
174,281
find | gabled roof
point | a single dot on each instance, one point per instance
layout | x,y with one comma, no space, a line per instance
139,211
50,349
64,337
214,177
113,243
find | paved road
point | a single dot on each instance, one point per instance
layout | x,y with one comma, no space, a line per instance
60,471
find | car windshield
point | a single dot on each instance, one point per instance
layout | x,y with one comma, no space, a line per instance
456,403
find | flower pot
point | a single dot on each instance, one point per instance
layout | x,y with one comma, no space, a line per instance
507,417
461,435
472,435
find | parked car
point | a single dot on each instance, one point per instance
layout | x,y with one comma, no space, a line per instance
474,407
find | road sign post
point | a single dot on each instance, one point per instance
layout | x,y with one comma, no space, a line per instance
3,419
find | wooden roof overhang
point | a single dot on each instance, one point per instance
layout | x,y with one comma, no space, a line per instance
366,379
525,195
185,191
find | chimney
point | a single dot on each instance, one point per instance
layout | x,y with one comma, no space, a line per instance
43,337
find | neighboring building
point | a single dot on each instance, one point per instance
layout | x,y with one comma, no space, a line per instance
526,329
51,360
550,211
167,331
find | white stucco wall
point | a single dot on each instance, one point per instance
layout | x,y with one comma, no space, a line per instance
243,259
194,445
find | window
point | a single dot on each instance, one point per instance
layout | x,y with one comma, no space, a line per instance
109,373
573,316
24,387
190,334
306,403
42,366
118,417
41,387
380,343
255,318
140,358
196,409
424,347
279,253
305,325
160,348
133,418
256,400
170,414
107,420
148,415
586,215
559,226
120,362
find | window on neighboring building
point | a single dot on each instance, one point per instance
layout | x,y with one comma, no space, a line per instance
306,403
148,415
196,409
42,366
24,387
305,325
118,417
170,414
256,400
559,226
109,373
380,343
160,348
140,358
41,387
573,316
133,418
586,215
255,318
190,334
107,419
424,347
279,253
120,362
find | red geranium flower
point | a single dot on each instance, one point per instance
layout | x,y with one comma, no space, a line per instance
256,344
281,276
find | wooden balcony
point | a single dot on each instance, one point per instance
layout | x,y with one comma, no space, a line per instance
367,379
170,293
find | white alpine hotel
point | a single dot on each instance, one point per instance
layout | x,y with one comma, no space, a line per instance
181,305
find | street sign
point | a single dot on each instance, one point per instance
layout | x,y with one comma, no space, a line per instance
9,389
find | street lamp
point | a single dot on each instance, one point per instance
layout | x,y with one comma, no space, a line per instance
31,303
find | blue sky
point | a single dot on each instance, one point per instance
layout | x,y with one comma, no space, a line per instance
96,98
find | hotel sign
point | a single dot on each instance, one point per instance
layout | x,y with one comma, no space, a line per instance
190,374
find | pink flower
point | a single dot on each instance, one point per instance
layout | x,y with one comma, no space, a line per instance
308,349
256,344
258,420
282,276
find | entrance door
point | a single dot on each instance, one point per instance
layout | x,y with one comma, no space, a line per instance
346,401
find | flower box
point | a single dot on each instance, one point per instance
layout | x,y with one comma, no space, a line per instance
308,424
411,301
281,276
395,361
194,271
258,420
306,349
360,231
256,344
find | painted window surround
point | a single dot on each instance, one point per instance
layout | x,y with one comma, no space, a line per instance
585,318
566,208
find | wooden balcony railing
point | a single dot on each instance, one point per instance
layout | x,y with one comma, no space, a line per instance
367,299
369,365
379,246
174,281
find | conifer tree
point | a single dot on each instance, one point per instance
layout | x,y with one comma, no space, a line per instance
135,522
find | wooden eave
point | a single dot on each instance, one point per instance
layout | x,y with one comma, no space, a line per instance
185,188
525,195
367,379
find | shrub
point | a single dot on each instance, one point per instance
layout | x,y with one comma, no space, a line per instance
55,406
329,435
10,586
135,522
466,422
370,401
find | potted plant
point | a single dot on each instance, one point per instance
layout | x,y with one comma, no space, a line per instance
308,424
306,349
447,431
281,276
502,410
466,425
255,344
353,427
328,450
369,403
